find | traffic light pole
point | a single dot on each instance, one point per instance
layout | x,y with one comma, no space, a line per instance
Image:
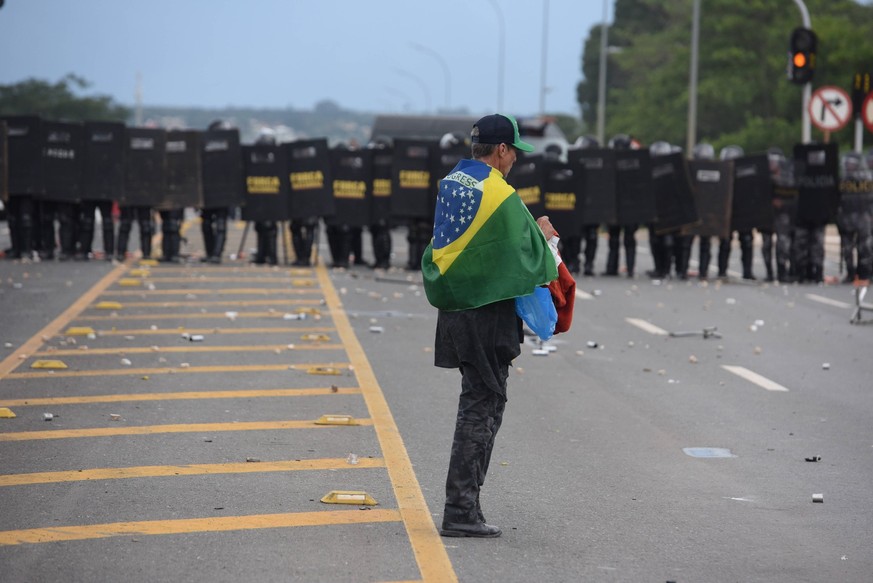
806,136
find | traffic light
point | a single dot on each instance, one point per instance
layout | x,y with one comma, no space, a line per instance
801,55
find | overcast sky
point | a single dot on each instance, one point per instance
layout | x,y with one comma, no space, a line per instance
275,53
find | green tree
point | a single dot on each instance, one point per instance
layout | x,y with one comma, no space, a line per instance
59,101
744,96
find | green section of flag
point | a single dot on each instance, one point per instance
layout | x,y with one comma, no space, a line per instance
508,257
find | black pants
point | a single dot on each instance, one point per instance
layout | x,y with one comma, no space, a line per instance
480,414
87,222
143,216
213,226
20,214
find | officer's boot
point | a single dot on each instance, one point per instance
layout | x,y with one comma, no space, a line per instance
271,245
590,252
656,245
145,238
612,257
767,254
630,256
297,241
123,237
261,253
746,254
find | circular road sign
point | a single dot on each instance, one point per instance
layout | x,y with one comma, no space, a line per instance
830,108
867,111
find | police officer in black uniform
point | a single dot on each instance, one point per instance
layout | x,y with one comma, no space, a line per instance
589,230
703,151
619,234
746,238
855,217
213,220
266,231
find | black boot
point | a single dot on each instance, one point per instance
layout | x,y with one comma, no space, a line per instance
206,227
218,242
746,254
724,254
612,256
705,257
121,244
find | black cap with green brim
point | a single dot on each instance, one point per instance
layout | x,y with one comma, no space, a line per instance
498,128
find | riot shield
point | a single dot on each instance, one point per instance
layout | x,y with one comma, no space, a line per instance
560,198
595,171
265,171
411,183
752,204
815,172
103,161
674,200
145,166
222,163
4,164
352,174
713,185
380,204
184,187
309,178
62,160
633,187
527,179
24,137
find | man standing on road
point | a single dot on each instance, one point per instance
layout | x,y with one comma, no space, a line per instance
486,251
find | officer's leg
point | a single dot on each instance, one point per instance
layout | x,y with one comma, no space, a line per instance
800,252
865,246
207,229
705,251
590,234
66,230
570,248
47,240
630,248
746,253
356,245
767,252
724,254
614,245
146,230
126,222
656,245
86,227
271,243
13,210
817,252
296,227
220,223
108,224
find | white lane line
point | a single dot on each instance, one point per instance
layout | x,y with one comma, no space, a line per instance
754,377
828,301
646,326
583,295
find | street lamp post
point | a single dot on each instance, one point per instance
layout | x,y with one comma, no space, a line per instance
601,78
501,55
446,72
691,138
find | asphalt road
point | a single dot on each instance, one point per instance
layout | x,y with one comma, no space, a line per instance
142,475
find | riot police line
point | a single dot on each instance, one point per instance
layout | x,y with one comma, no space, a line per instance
66,171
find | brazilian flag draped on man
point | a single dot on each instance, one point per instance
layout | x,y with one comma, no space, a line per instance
486,246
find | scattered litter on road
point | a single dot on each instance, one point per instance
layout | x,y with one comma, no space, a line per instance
377,329
730,301
539,352
231,315
818,498
47,416
352,459
334,389
184,365
114,417
7,345
252,460
758,350
826,366
196,338
126,362
815,458
692,359
591,344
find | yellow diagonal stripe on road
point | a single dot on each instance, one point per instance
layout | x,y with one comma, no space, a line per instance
198,302
177,331
187,470
191,525
171,370
284,279
187,395
187,349
156,429
278,315
430,553
205,291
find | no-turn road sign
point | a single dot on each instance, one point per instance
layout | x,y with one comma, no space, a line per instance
867,111
830,108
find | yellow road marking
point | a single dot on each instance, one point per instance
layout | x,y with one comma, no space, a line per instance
197,302
156,429
430,553
186,395
191,525
283,279
169,370
187,470
121,317
188,349
203,291
233,267
178,330
58,324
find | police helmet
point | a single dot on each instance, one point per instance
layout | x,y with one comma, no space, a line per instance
660,148
266,137
452,139
586,142
219,124
703,151
731,153
851,162
379,142
553,152
620,142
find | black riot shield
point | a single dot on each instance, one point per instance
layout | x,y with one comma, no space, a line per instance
266,175
24,138
674,200
595,171
184,187
752,204
222,164
145,166
527,180
633,187
62,160
380,204
103,161
4,164
352,178
411,182
713,184
309,178
560,198
816,175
